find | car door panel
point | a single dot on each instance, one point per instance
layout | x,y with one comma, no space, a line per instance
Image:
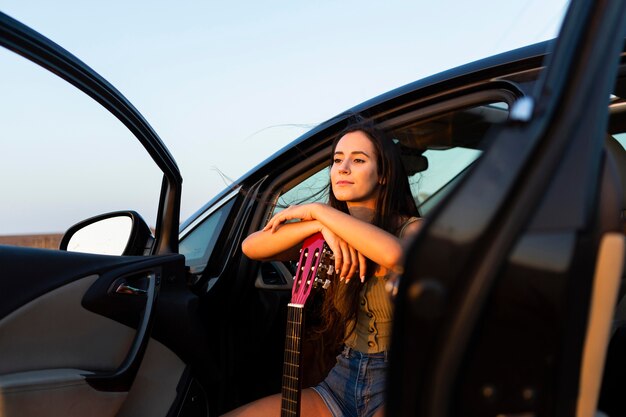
73,337
60,355
49,345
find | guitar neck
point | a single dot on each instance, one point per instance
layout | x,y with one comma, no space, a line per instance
291,390
313,267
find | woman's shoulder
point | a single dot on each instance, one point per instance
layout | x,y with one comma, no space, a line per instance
406,223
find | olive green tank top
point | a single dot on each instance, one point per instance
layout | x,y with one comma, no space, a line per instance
372,332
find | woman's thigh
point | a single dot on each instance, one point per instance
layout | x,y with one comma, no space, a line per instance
312,406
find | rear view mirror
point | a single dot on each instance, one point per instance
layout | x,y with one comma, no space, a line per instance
117,233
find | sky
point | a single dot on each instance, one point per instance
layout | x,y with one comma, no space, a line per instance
225,84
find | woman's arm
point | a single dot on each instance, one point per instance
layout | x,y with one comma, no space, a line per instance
284,243
264,245
369,240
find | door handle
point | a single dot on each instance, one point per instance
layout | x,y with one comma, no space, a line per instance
125,288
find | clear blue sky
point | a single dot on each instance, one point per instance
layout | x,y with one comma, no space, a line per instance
226,83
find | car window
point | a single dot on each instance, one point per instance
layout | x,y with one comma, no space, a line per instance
199,239
314,188
435,152
444,168
60,167
621,138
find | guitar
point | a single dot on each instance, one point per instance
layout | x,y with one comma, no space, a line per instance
314,269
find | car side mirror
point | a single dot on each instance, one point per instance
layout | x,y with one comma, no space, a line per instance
116,233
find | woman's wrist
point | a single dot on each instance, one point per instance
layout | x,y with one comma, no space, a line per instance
317,211
317,226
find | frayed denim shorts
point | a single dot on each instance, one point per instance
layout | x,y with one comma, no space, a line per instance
355,386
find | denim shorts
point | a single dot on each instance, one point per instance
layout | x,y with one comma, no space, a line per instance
355,386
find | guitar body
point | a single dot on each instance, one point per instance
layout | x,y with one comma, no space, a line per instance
314,269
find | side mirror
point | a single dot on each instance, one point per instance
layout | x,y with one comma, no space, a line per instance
117,233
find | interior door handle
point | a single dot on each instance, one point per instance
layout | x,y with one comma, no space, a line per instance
125,288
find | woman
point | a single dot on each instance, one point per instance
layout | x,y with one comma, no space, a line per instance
370,208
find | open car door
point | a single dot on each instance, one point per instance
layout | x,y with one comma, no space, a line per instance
75,327
509,290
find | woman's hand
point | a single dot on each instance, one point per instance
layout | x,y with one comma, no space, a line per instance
298,212
347,259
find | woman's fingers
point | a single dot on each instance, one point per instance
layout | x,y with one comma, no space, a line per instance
302,212
342,256
362,266
333,243
350,261
276,225
271,224
347,260
275,222
354,262
337,253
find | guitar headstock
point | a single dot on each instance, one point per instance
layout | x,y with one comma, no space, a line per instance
314,268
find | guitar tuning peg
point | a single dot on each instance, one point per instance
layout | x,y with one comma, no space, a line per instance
326,284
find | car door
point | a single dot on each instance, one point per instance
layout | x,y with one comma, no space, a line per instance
506,303
75,327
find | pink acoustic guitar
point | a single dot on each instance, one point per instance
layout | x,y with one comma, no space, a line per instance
314,269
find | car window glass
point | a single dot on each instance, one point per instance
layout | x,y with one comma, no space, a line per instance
312,189
444,167
198,244
621,138
61,166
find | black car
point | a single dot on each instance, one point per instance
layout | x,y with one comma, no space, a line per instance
510,297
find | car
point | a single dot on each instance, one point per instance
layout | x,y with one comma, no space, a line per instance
510,297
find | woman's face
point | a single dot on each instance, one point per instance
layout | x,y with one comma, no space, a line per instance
354,173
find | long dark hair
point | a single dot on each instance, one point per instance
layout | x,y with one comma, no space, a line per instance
395,204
